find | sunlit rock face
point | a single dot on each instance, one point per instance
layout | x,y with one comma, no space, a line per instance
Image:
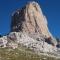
30,19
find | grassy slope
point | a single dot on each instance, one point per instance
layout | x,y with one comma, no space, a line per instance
21,54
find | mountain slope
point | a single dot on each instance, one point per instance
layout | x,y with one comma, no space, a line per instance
22,54
29,30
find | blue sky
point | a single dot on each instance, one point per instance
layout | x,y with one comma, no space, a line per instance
51,8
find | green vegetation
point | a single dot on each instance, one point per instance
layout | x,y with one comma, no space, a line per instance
21,54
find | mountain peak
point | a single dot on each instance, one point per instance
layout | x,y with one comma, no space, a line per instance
29,28
30,19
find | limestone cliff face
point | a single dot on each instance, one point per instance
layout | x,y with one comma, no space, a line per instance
30,19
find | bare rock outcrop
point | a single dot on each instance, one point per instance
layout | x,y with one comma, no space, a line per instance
29,28
31,20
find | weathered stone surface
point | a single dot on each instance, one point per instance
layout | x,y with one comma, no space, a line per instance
30,19
38,44
3,41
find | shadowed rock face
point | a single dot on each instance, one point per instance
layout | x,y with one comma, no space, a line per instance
58,42
17,20
31,20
